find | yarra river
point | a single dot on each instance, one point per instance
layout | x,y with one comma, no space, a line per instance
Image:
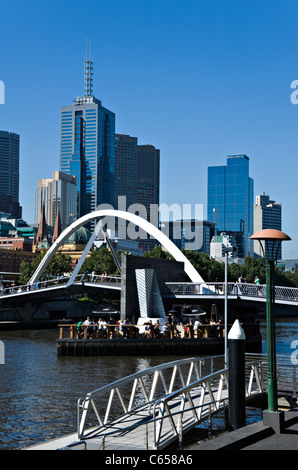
39,391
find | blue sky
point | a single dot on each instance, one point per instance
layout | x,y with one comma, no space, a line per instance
197,79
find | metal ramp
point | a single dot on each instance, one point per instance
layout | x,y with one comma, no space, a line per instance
158,405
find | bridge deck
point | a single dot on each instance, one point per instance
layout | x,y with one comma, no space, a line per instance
182,290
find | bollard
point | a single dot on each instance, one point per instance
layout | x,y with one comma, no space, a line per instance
236,349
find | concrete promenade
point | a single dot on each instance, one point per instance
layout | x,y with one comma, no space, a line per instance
256,436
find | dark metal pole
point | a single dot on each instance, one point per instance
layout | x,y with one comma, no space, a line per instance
271,343
236,350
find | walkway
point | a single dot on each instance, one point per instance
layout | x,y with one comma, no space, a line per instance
153,408
172,290
256,436
190,290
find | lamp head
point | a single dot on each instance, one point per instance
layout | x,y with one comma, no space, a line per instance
272,239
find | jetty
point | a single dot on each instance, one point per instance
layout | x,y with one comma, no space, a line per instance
177,340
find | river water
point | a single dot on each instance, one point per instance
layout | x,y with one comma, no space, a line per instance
39,391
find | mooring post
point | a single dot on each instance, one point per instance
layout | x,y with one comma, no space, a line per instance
236,349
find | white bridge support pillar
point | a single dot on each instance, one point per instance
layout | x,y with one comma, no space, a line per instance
150,301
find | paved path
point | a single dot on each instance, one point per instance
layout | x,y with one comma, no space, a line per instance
256,436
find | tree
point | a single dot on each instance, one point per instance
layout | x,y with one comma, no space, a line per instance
158,252
100,261
59,264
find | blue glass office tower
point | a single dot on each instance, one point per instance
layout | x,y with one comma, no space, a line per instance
87,148
230,201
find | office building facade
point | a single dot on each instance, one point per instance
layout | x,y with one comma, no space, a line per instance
230,201
148,159
267,214
194,235
87,148
9,173
57,194
125,183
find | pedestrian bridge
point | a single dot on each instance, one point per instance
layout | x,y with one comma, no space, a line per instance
154,408
253,292
77,283
172,290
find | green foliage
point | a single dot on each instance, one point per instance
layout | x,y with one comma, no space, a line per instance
100,261
158,252
212,270
59,264
209,269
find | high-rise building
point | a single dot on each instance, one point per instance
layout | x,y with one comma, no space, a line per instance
267,214
87,147
9,174
230,201
148,186
190,234
58,193
125,169
147,175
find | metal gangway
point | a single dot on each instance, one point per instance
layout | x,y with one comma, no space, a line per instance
153,408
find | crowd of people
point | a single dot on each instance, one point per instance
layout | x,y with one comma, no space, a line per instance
184,327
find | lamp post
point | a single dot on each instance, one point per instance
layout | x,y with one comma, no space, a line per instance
271,239
226,251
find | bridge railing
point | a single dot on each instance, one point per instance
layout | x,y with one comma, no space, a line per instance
234,288
60,281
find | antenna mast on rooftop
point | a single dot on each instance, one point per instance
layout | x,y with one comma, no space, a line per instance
88,71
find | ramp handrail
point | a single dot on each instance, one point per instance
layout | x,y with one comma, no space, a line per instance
143,387
210,388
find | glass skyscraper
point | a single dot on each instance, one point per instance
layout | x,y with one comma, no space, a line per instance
87,146
9,173
230,201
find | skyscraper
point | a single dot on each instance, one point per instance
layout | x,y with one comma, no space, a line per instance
125,168
267,214
148,186
58,193
230,201
9,173
87,147
147,175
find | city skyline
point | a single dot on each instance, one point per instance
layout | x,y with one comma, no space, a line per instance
220,85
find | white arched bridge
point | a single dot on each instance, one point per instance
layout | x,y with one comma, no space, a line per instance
197,288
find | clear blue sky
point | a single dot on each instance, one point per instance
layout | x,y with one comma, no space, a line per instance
197,79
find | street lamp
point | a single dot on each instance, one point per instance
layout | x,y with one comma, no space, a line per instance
226,250
271,239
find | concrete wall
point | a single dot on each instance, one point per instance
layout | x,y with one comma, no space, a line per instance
166,271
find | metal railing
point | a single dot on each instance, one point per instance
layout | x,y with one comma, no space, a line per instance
239,289
60,281
286,373
173,397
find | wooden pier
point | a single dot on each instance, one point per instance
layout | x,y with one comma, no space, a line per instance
205,341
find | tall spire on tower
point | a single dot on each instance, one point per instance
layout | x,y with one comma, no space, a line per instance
88,71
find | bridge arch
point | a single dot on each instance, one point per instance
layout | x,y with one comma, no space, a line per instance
135,219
